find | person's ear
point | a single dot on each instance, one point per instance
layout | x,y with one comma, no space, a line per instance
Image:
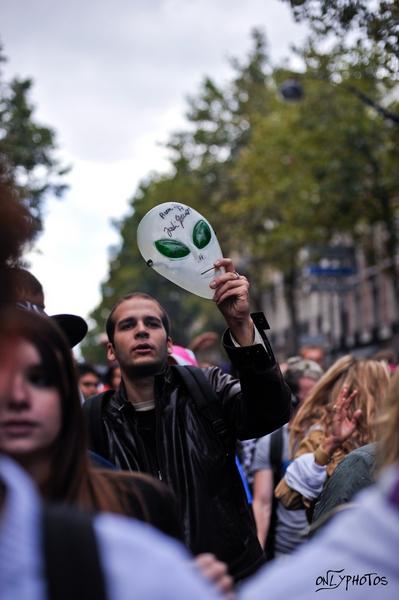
169,345
110,352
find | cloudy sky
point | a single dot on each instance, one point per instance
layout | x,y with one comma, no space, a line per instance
112,79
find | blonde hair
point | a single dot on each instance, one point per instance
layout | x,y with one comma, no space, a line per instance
369,377
388,426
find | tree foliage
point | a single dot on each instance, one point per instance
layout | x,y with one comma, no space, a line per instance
321,169
272,176
373,22
27,148
201,162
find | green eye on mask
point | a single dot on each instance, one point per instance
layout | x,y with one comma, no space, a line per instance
172,248
201,234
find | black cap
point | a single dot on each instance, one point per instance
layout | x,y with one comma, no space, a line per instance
74,327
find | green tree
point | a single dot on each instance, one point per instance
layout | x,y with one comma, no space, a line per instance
372,22
222,125
273,177
320,169
27,148
201,162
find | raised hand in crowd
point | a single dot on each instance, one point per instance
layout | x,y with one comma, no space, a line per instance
344,423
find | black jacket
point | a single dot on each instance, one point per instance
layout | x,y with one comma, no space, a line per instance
194,460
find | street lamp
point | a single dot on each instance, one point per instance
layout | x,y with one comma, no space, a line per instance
292,90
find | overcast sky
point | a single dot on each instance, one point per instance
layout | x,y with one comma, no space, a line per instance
112,79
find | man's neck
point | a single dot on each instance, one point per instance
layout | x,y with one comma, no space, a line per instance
140,392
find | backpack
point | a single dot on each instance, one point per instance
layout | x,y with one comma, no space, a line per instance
276,462
72,565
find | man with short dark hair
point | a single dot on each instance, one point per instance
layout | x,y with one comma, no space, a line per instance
153,423
88,380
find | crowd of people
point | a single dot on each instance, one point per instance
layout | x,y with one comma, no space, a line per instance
169,476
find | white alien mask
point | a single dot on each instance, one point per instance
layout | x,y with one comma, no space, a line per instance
180,244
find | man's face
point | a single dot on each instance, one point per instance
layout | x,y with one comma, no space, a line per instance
88,384
140,344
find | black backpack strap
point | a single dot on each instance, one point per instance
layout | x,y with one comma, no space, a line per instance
276,454
92,409
276,462
72,563
205,398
